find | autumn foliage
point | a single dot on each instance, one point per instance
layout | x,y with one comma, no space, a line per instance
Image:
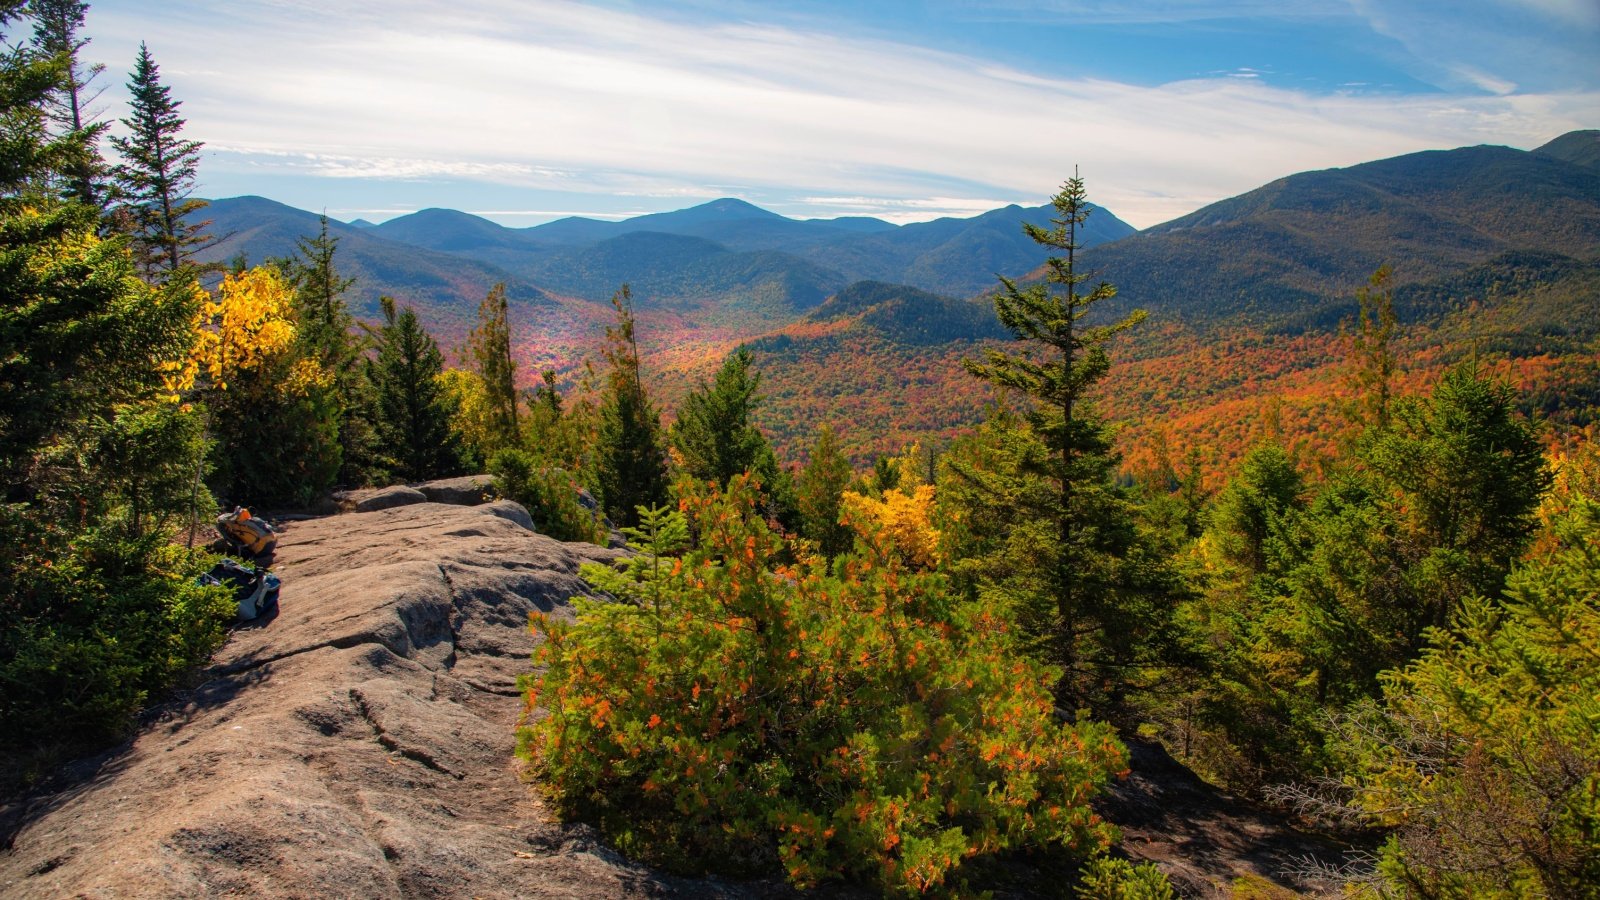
727,714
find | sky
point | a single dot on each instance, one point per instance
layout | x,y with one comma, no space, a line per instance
524,111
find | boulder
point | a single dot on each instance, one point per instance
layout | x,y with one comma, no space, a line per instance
511,511
374,499
357,744
468,490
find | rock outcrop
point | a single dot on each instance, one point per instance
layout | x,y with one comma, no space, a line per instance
359,744
374,499
467,490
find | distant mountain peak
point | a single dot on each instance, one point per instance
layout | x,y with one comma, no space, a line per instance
1577,147
721,209
734,206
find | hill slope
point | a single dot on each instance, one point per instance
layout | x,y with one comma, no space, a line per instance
957,256
445,287
1580,148
907,315
1295,243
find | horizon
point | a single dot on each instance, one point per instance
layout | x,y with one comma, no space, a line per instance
524,113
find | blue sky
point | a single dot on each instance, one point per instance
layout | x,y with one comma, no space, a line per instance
529,110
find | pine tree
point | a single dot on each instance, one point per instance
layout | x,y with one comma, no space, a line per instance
156,176
32,159
715,434
1466,475
1373,378
98,608
75,338
632,464
1091,605
819,491
1481,761
491,350
56,33
324,320
326,332
414,411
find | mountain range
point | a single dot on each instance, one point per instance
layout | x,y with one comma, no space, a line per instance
727,249
1491,247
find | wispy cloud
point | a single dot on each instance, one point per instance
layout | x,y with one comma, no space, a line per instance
1145,12
578,99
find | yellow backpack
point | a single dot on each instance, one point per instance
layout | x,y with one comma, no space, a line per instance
247,534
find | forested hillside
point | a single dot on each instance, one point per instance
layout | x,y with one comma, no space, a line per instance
1286,248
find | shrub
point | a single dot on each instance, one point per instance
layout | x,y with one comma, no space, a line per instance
723,715
1117,879
549,494
1485,754
94,627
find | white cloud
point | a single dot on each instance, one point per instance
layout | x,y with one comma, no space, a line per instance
1140,12
1582,13
584,100
1490,45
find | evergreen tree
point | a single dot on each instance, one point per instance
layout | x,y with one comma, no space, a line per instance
1432,511
414,411
491,350
56,33
1374,356
1464,476
819,491
156,176
631,462
325,325
562,433
98,608
1255,506
326,332
717,439
1482,759
31,157
1092,606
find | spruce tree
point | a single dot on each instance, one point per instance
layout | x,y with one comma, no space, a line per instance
490,344
326,332
414,411
819,490
323,317
56,33
1373,378
98,608
75,339
631,461
32,158
1093,606
714,432
156,176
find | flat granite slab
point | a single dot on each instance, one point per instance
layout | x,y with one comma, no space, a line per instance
358,744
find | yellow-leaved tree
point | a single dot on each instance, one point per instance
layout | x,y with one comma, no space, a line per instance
469,398
905,518
273,412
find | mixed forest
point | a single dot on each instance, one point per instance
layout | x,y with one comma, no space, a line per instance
1350,571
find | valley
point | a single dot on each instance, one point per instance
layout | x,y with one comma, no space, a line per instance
864,323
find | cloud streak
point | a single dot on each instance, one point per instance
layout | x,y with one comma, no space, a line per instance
550,96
